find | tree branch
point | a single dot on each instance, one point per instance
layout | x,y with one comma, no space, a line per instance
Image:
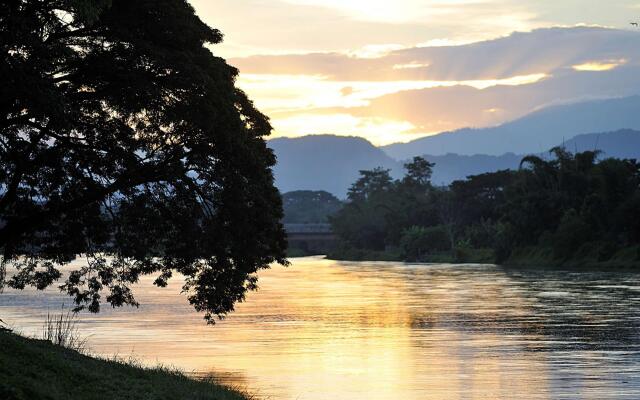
17,227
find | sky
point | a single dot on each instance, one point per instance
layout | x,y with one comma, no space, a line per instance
394,71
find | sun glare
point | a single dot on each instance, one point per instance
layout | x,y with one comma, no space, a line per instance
285,93
379,131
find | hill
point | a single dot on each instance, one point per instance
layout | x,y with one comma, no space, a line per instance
624,143
452,167
325,162
331,163
534,133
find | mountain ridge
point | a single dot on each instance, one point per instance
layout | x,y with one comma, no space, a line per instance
533,133
332,163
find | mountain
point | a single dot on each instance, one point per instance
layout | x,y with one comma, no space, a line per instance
332,163
534,133
325,162
451,167
624,143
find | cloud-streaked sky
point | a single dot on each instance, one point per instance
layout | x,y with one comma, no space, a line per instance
393,71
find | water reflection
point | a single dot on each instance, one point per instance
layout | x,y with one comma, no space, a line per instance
327,330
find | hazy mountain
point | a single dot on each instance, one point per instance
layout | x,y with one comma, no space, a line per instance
620,144
534,133
325,162
331,163
451,167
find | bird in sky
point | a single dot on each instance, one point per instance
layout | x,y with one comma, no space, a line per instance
634,24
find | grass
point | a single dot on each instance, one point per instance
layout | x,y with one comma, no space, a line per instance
62,330
33,369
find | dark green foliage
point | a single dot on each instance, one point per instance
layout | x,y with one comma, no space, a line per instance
566,209
570,235
379,209
418,241
124,138
33,369
572,199
309,207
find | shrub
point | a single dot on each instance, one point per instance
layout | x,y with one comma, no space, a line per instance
418,241
572,233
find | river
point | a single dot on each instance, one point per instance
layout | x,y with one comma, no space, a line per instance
322,329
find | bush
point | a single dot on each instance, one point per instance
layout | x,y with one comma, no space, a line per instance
482,234
572,233
504,242
418,241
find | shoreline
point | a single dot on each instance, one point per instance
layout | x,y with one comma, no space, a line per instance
37,369
533,258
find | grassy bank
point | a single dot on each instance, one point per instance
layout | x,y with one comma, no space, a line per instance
34,369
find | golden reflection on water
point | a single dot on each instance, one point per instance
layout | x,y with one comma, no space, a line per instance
332,330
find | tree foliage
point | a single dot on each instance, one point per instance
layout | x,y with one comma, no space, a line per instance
569,203
379,209
309,207
125,139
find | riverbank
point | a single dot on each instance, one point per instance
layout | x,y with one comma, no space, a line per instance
459,256
33,369
589,258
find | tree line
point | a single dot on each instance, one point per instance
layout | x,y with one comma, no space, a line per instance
566,209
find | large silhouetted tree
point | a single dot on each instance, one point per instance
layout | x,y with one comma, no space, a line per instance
123,138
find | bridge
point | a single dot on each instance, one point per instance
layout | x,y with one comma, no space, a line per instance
311,238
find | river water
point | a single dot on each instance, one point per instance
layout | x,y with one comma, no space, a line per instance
322,329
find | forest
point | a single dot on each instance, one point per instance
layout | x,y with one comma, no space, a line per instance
569,209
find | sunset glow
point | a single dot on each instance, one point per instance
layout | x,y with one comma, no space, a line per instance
320,199
597,66
380,69
303,105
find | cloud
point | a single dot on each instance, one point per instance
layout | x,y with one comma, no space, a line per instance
597,66
278,93
447,108
540,51
304,26
402,94
280,27
402,11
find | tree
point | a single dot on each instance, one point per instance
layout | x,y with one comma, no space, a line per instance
419,172
363,220
309,207
370,183
418,241
568,207
124,138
